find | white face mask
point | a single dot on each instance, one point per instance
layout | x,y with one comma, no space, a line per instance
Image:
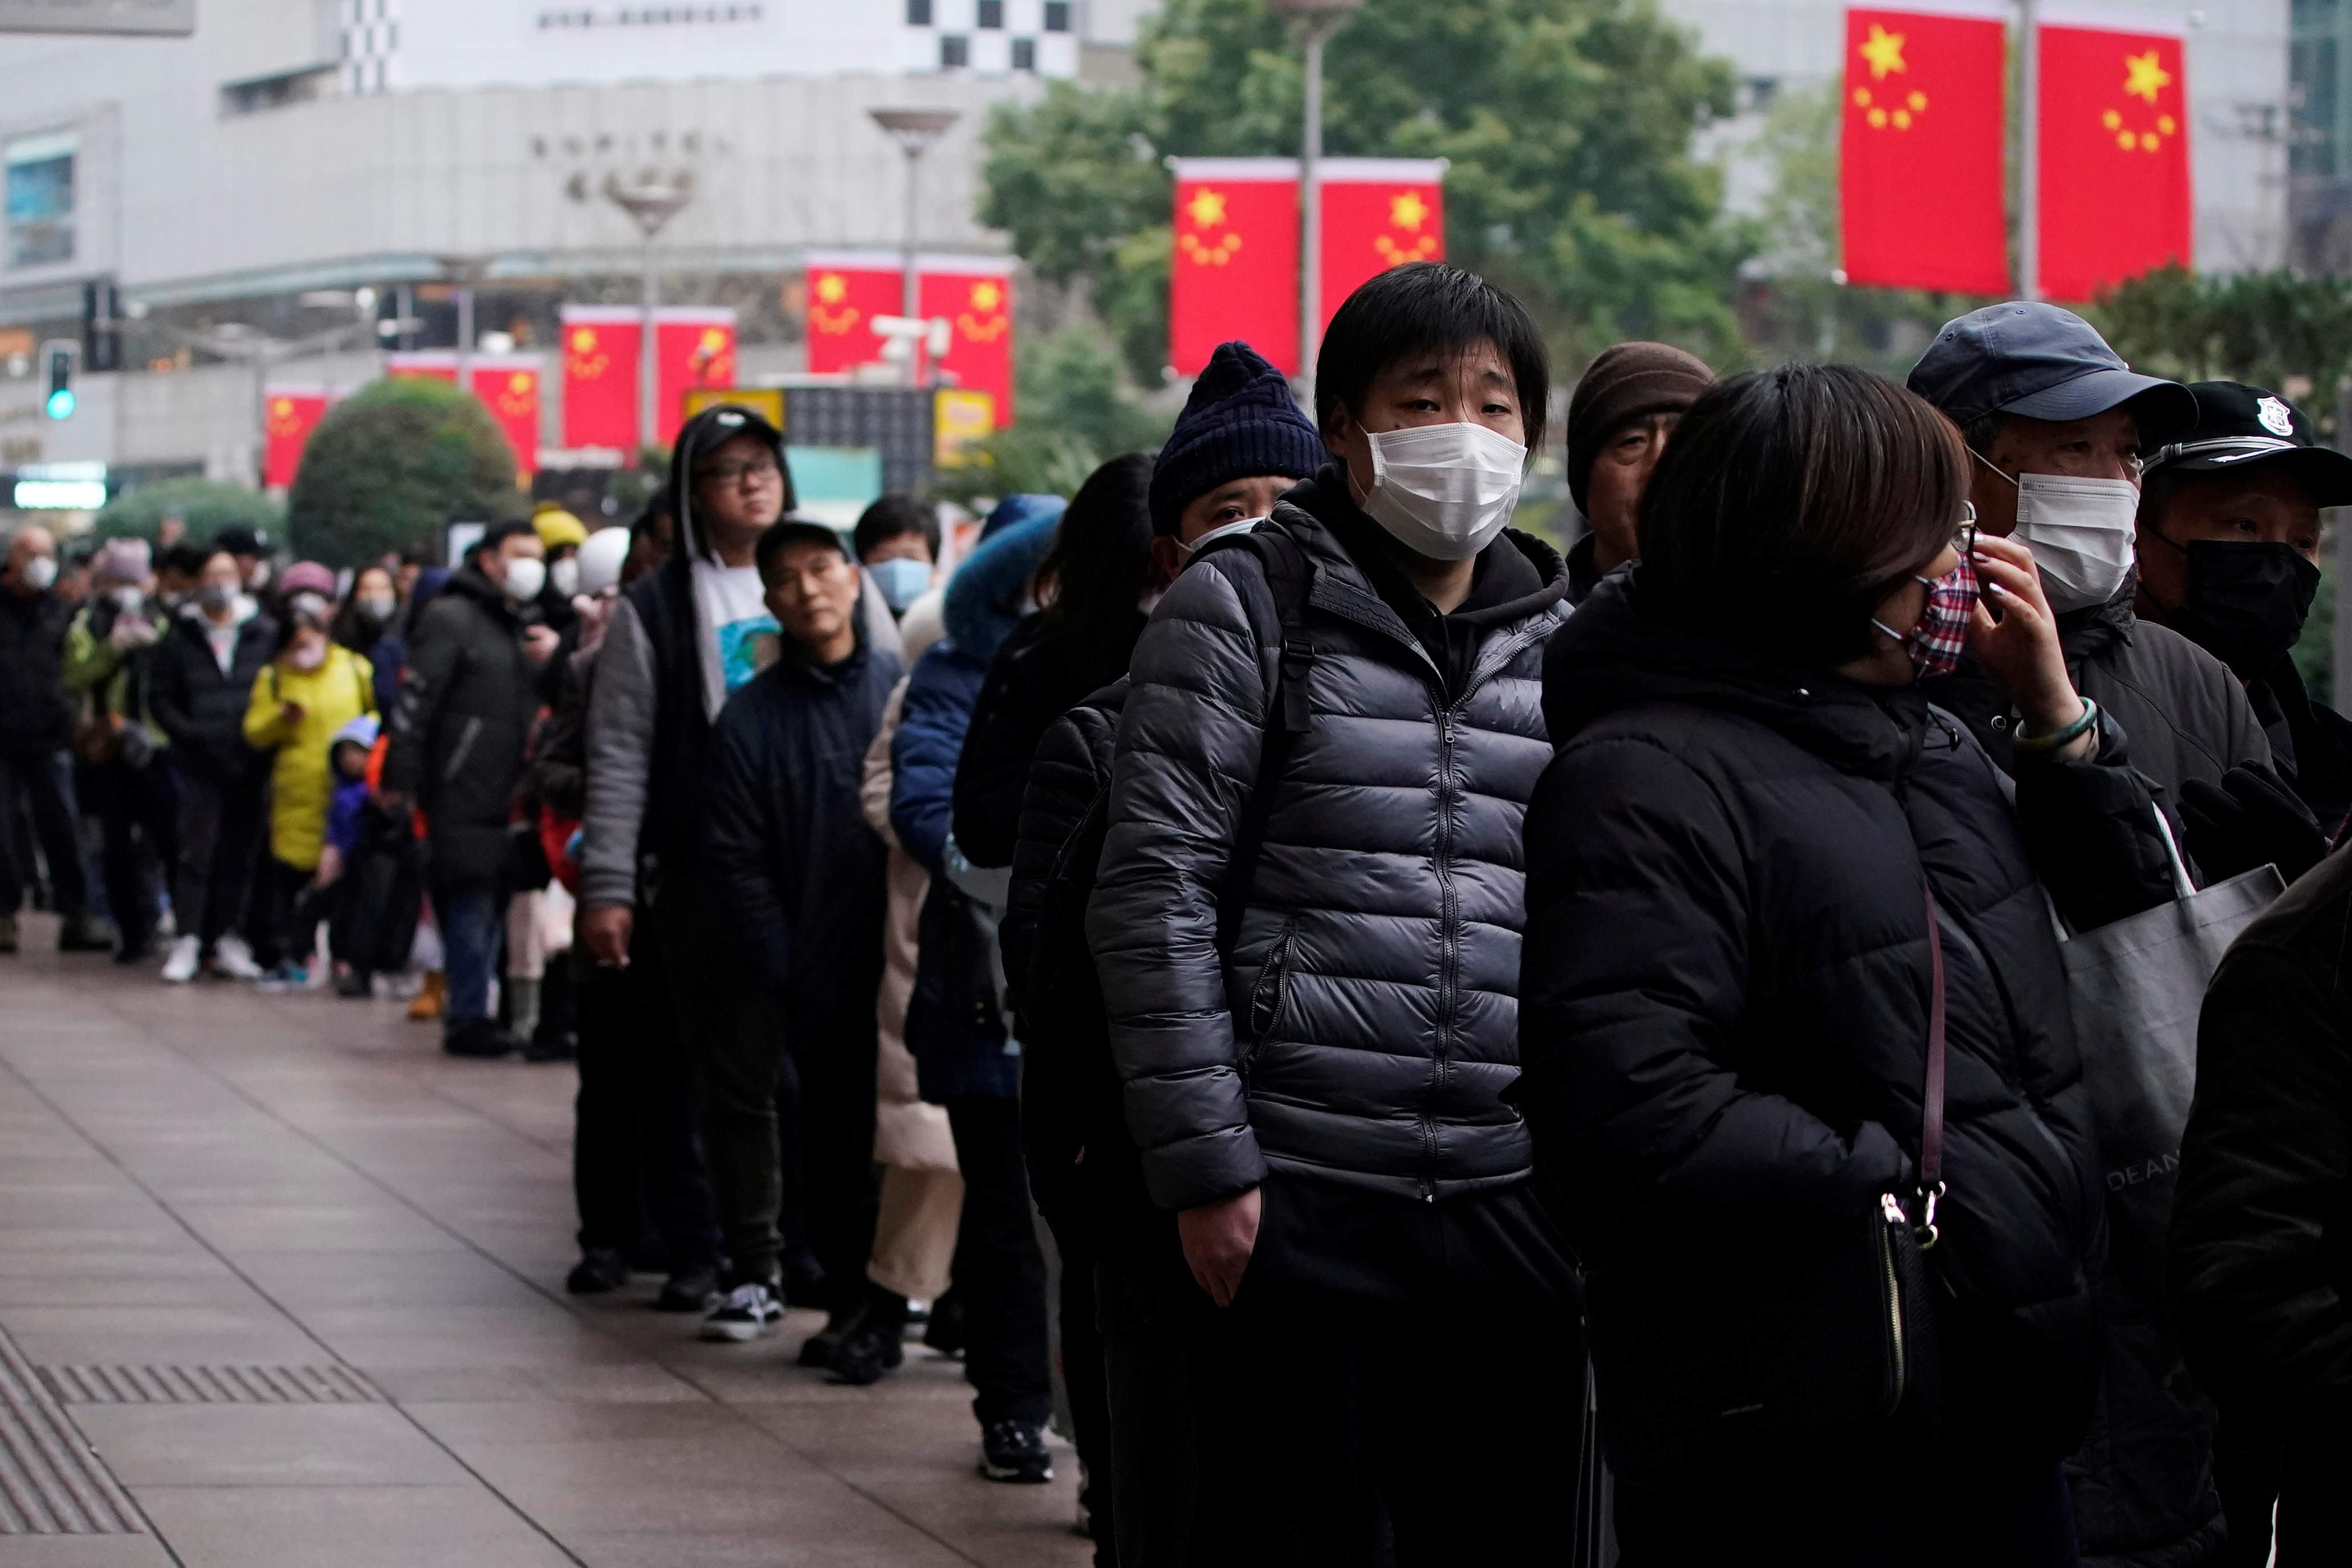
526,575
39,571
2080,531
1444,490
565,575
1205,540
128,600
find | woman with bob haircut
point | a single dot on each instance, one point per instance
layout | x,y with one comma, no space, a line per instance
1750,1059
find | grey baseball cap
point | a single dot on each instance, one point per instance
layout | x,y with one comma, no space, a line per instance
2038,362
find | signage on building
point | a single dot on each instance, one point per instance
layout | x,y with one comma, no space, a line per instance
173,16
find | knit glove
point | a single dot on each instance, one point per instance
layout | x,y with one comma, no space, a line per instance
2251,818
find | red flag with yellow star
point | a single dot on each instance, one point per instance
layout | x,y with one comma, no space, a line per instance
1378,212
600,375
2114,190
289,413
973,295
845,290
508,385
1236,268
1920,168
697,348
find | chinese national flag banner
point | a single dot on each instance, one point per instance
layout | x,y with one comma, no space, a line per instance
974,295
1235,270
846,289
508,385
2114,169
697,348
1920,160
430,364
291,413
1378,212
600,376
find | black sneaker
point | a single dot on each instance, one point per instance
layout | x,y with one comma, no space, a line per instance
354,985
85,934
1016,1452
551,1045
695,1290
944,1332
819,1349
749,1312
873,1342
479,1038
603,1269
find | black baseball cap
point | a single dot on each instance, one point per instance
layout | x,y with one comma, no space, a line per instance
2239,426
2038,362
242,541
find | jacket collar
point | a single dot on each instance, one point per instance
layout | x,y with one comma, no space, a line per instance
468,581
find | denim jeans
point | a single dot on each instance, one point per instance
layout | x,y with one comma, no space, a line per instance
42,783
473,916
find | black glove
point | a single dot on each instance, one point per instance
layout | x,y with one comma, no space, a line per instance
2253,818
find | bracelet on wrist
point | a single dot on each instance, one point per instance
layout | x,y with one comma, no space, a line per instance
2062,736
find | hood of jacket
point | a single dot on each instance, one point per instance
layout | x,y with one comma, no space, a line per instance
1613,654
714,428
990,592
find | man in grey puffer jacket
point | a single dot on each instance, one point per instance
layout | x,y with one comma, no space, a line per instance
1319,1088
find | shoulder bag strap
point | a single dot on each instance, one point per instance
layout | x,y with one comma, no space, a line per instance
1289,577
1931,1104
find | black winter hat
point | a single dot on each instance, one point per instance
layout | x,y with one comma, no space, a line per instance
1241,421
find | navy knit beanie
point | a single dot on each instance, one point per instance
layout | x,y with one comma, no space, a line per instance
1240,421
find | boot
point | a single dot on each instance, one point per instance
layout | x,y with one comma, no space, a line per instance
522,1006
7,934
85,934
430,1001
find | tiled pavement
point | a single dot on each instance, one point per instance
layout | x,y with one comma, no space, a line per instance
205,1177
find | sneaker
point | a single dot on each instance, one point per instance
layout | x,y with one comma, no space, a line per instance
695,1290
179,967
354,985
873,1342
944,1332
1016,1452
289,976
84,933
749,1312
603,1269
480,1039
7,934
233,958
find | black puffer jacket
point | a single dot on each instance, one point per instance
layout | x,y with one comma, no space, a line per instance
36,716
1365,1025
1032,681
201,708
464,718
1726,982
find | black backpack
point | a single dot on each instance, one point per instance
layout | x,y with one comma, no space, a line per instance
1070,1093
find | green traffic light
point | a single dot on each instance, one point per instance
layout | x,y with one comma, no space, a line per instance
61,403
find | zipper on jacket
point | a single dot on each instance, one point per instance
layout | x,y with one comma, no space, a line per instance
1897,1353
1449,905
457,754
1271,994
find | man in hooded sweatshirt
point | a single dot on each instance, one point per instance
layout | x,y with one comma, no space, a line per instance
456,750
1305,924
679,639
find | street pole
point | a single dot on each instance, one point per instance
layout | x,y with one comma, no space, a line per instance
648,355
651,198
1323,18
2029,162
914,129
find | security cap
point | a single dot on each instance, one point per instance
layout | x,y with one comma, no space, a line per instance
2037,361
2238,427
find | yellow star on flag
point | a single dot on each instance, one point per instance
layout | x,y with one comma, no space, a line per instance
986,295
1207,208
2145,76
1408,211
1884,51
832,288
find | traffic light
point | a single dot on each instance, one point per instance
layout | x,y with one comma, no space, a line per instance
101,327
60,402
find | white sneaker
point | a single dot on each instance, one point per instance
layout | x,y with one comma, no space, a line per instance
231,958
749,1312
180,966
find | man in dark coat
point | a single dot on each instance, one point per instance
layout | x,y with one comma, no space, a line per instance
35,722
2261,1276
1619,418
798,878
457,751
1319,1096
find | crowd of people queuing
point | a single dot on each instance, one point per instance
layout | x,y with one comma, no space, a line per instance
1420,1048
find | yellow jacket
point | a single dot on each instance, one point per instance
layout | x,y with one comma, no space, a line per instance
302,782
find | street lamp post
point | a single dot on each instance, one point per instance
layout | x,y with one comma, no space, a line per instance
914,129
1323,18
651,197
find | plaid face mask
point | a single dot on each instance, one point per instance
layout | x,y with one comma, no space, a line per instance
1936,642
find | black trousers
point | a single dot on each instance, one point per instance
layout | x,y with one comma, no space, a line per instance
2303,1471
1086,1377
999,1269
375,922
220,836
282,901
138,813
635,1154
36,783
840,1187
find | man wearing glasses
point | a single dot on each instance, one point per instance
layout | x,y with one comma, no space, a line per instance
679,640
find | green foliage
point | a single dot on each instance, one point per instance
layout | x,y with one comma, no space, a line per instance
391,465
1568,124
2292,335
206,505
1072,421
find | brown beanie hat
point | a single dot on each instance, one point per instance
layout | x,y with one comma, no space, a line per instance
1629,382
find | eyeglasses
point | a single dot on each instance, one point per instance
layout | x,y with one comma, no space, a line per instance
760,470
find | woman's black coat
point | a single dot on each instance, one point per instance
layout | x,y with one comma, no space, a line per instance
1725,985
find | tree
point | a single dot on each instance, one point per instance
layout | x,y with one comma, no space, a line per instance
1567,125
2273,330
1073,420
400,459
206,505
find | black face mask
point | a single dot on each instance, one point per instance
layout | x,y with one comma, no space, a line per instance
2246,603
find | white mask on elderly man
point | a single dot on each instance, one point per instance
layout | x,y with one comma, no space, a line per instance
2080,533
